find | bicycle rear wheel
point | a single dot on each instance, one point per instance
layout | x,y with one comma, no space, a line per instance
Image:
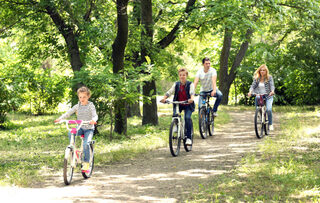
258,124
67,166
88,173
174,138
211,122
188,148
203,123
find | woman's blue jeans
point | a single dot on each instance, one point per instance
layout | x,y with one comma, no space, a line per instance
216,104
88,134
268,106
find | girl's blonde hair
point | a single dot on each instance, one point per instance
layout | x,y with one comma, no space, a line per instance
84,89
183,70
257,74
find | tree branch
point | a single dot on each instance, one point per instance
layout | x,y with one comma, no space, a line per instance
166,41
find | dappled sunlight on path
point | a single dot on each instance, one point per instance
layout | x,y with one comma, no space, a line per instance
157,176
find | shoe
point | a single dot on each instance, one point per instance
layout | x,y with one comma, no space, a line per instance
215,114
175,129
188,141
271,127
85,166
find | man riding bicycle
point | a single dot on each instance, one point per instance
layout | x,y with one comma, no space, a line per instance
208,79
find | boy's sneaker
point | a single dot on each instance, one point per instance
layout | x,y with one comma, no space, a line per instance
271,127
215,114
85,166
188,141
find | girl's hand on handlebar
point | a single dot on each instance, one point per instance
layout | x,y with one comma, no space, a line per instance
190,101
92,122
271,94
213,93
249,94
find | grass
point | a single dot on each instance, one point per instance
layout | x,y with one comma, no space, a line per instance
285,169
33,147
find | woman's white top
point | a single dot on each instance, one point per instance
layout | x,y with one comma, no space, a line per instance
262,88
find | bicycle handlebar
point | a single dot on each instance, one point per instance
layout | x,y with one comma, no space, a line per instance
175,102
79,122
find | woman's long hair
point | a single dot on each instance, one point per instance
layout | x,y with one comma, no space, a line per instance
257,74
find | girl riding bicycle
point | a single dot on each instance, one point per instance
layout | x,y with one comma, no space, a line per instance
183,90
263,85
85,111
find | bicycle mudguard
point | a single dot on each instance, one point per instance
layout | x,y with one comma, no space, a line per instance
67,151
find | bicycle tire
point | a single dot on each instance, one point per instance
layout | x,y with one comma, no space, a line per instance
203,128
174,139
188,148
88,173
266,124
67,167
211,122
258,125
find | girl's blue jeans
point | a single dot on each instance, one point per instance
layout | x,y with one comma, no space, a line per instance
88,134
268,106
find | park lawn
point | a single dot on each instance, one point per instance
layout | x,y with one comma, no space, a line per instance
32,148
285,169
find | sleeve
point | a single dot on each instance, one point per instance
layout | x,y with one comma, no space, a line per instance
213,72
171,90
94,113
271,84
191,91
253,85
69,112
198,74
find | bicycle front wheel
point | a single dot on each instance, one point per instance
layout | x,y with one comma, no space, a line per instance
88,173
203,123
188,148
67,166
211,122
174,138
258,123
266,124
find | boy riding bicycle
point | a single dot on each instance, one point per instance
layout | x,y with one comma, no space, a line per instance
208,78
183,90
86,111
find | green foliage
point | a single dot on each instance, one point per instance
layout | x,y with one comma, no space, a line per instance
45,91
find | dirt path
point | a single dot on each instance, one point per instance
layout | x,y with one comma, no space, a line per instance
155,176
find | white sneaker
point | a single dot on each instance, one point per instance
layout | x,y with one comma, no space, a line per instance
271,127
215,114
188,141
175,129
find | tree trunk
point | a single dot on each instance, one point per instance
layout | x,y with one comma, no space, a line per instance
70,37
150,111
118,48
226,76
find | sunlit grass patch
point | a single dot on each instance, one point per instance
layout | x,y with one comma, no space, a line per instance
285,169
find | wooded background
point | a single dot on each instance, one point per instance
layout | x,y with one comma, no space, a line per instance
127,52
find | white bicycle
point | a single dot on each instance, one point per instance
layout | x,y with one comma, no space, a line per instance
74,155
177,131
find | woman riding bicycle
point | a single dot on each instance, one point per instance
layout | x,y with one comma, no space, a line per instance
263,85
183,90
